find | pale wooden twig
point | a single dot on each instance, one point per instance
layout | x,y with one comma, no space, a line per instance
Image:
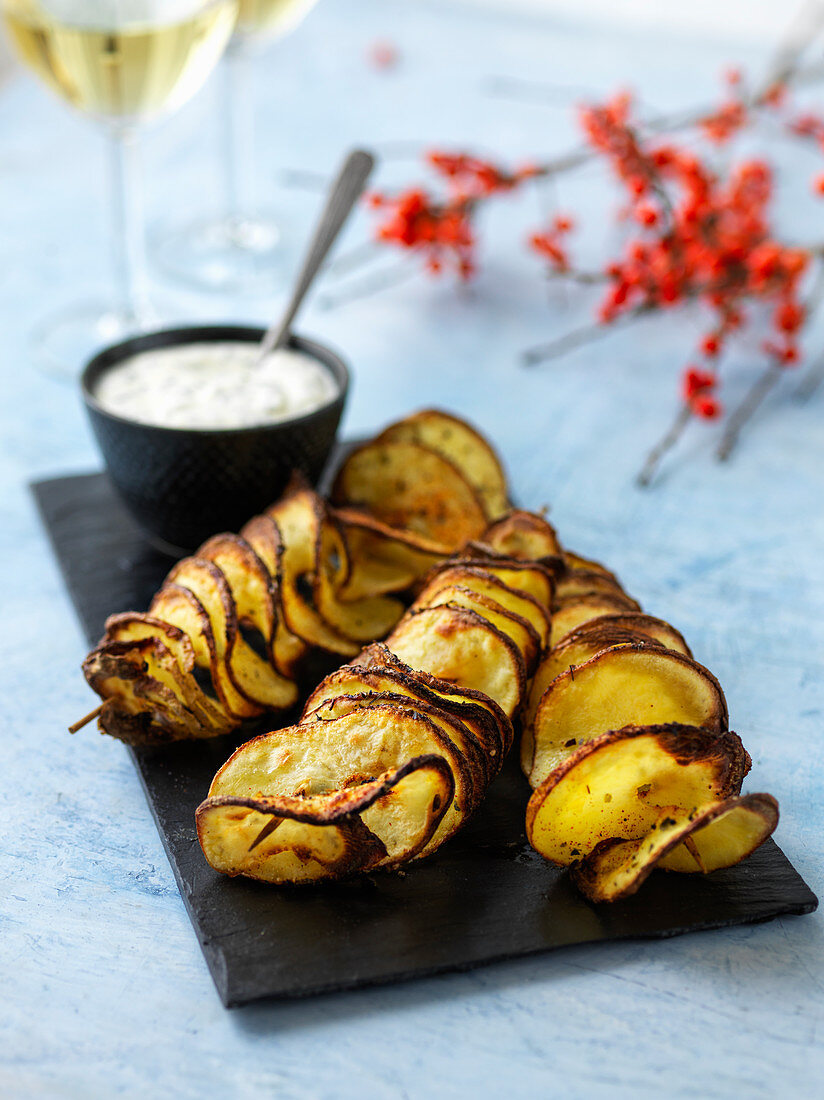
746,410
665,444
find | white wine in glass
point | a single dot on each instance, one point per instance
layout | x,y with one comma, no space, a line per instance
240,248
121,62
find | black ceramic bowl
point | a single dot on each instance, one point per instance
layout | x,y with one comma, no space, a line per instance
183,485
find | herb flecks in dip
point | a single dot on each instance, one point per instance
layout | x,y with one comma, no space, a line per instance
215,385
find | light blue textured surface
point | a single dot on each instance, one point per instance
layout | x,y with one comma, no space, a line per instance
104,991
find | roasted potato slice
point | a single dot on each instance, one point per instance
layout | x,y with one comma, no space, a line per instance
256,597
412,488
718,835
581,609
590,638
478,768
633,622
487,584
621,686
132,627
523,535
263,535
252,675
181,608
382,560
461,445
378,657
370,617
483,718
251,583
298,840
297,519
575,561
515,626
459,646
140,681
319,757
618,784
530,578
584,582
574,650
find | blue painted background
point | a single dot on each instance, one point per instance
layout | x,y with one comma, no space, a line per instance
104,991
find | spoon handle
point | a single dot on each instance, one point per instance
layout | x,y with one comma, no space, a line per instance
345,192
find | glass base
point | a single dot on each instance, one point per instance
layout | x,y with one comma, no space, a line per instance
63,342
223,254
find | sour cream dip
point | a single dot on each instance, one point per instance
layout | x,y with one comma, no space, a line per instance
215,385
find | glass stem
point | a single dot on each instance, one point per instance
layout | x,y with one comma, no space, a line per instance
127,228
238,132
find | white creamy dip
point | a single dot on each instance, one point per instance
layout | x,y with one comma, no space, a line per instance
215,385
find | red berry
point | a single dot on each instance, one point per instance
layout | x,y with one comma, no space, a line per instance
711,346
707,408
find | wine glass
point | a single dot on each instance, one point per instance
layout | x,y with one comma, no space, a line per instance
238,250
121,62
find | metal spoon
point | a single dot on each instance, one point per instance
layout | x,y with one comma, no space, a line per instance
345,192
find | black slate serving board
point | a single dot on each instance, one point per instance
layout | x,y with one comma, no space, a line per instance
484,896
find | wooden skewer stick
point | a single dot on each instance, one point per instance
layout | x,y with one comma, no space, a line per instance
692,848
267,830
86,719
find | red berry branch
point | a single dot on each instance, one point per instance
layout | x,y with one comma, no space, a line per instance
695,231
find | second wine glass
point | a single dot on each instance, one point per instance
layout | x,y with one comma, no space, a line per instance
239,249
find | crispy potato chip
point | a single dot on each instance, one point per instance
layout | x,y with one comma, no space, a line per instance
722,834
181,608
412,488
134,627
574,650
590,638
147,705
296,840
465,448
321,756
288,650
633,622
585,582
718,835
249,580
522,633
477,772
531,578
617,785
487,584
296,516
257,603
573,614
459,646
523,535
575,561
621,686
371,616
379,657
252,675
484,718
381,559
